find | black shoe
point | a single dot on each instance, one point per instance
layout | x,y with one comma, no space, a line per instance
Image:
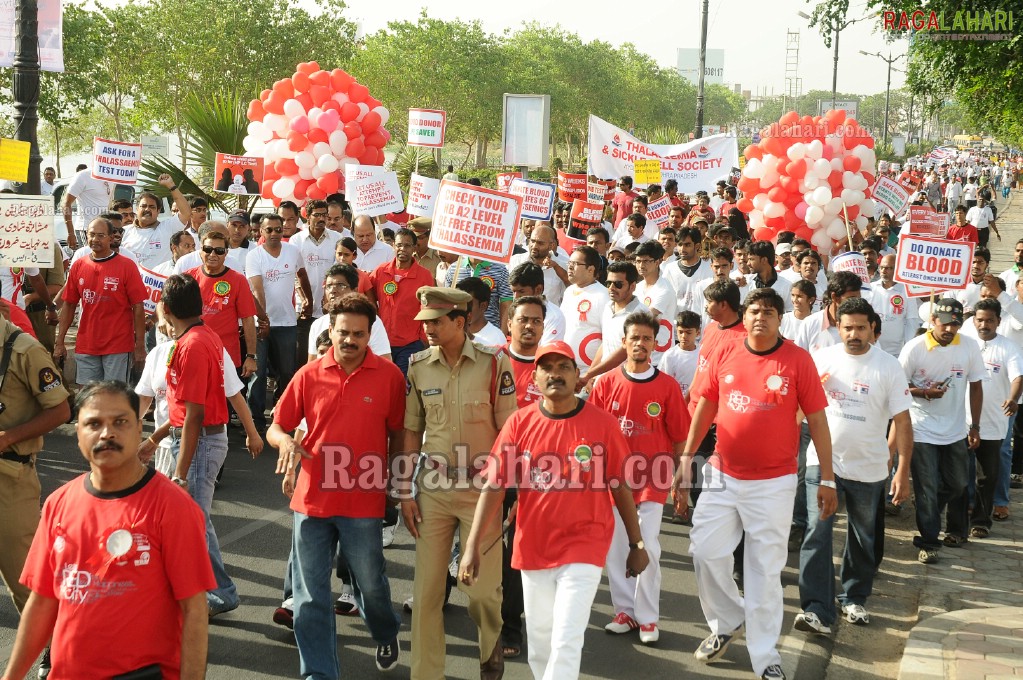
796,535
387,655
44,665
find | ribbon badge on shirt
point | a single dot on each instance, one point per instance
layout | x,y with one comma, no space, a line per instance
898,304
222,288
584,306
489,280
653,409
583,454
390,288
776,386
170,354
117,545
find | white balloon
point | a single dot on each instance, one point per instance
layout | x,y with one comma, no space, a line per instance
814,214
847,196
833,207
821,240
857,197
769,179
384,114
252,145
306,173
796,151
363,110
774,210
277,124
759,201
770,162
819,197
754,169
340,97
317,173
338,142
836,164
756,219
868,207
811,182
293,109
861,221
814,149
253,126
283,187
822,168
836,230
305,159
321,149
327,163
314,117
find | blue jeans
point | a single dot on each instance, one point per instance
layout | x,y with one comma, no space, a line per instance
1005,466
401,355
940,474
799,518
209,457
314,541
278,348
816,566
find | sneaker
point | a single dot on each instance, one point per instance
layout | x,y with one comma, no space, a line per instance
387,655
927,556
218,608
714,646
808,622
856,613
453,568
622,623
773,673
796,538
1016,481
345,605
648,633
284,616
407,605
388,535
44,665
892,510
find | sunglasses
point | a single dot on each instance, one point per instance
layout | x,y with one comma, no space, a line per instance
274,230
211,249
617,285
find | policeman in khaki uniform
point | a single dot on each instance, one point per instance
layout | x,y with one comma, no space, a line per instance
32,402
460,395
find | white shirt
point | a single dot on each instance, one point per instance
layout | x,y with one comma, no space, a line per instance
152,245
790,325
278,274
1003,360
899,317
45,188
864,392
317,258
380,253
86,251
583,308
680,365
379,343
92,197
235,260
490,336
942,421
553,324
612,324
685,286
553,286
701,299
970,191
781,286
980,217
660,296
817,332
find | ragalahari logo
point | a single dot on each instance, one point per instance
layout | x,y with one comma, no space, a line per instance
980,25
616,140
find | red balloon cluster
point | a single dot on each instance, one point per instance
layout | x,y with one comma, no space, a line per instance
309,126
805,174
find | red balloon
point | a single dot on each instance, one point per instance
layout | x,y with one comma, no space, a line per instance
796,169
870,181
331,104
370,122
752,151
319,93
376,139
763,234
791,201
320,79
318,135
806,121
835,180
775,146
357,92
745,205
373,102
274,104
775,222
286,167
267,189
297,141
851,163
308,67
305,100
269,172
264,94
789,184
355,149
256,111
804,232
853,210
776,194
352,130
340,80
300,81
349,112
749,186
788,118
284,88
380,157
328,183
315,193
368,156
301,187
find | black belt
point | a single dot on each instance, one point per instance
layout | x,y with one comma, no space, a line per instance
431,463
209,429
16,457
35,307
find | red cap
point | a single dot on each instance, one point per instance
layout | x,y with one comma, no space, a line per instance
558,347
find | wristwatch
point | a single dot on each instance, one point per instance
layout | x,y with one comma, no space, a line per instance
637,546
830,483
250,356
183,483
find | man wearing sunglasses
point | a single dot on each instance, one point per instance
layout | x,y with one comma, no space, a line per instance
226,300
622,278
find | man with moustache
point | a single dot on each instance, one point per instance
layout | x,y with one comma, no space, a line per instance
396,285
316,246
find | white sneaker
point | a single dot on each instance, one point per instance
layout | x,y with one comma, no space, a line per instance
346,605
649,634
808,622
388,535
407,605
621,623
856,613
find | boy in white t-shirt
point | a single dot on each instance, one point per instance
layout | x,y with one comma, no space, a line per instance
680,362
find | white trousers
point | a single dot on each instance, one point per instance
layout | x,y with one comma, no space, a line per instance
557,607
639,596
763,509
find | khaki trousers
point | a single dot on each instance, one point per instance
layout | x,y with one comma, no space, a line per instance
19,508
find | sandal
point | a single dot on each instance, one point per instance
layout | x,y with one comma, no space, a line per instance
979,532
1000,514
953,541
511,651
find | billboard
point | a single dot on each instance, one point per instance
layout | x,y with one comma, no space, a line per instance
850,106
689,65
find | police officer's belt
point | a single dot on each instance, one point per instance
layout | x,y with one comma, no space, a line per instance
431,463
16,457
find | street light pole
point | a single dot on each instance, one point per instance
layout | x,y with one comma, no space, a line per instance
703,70
888,88
26,87
834,73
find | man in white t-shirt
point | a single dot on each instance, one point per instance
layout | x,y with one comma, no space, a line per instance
149,237
721,267
340,280
982,218
316,245
622,278
1003,385
483,332
820,329
865,389
528,279
583,305
542,251
93,197
46,186
688,270
272,270
371,252
898,311
654,291
945,370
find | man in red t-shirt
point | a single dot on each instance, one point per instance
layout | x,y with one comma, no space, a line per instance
754,387
198,415
962,230
396,285
120,529
622,201
653,417
226,300
112,327
334,503
567,458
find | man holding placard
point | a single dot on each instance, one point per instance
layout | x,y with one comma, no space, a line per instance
543,246
149,237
